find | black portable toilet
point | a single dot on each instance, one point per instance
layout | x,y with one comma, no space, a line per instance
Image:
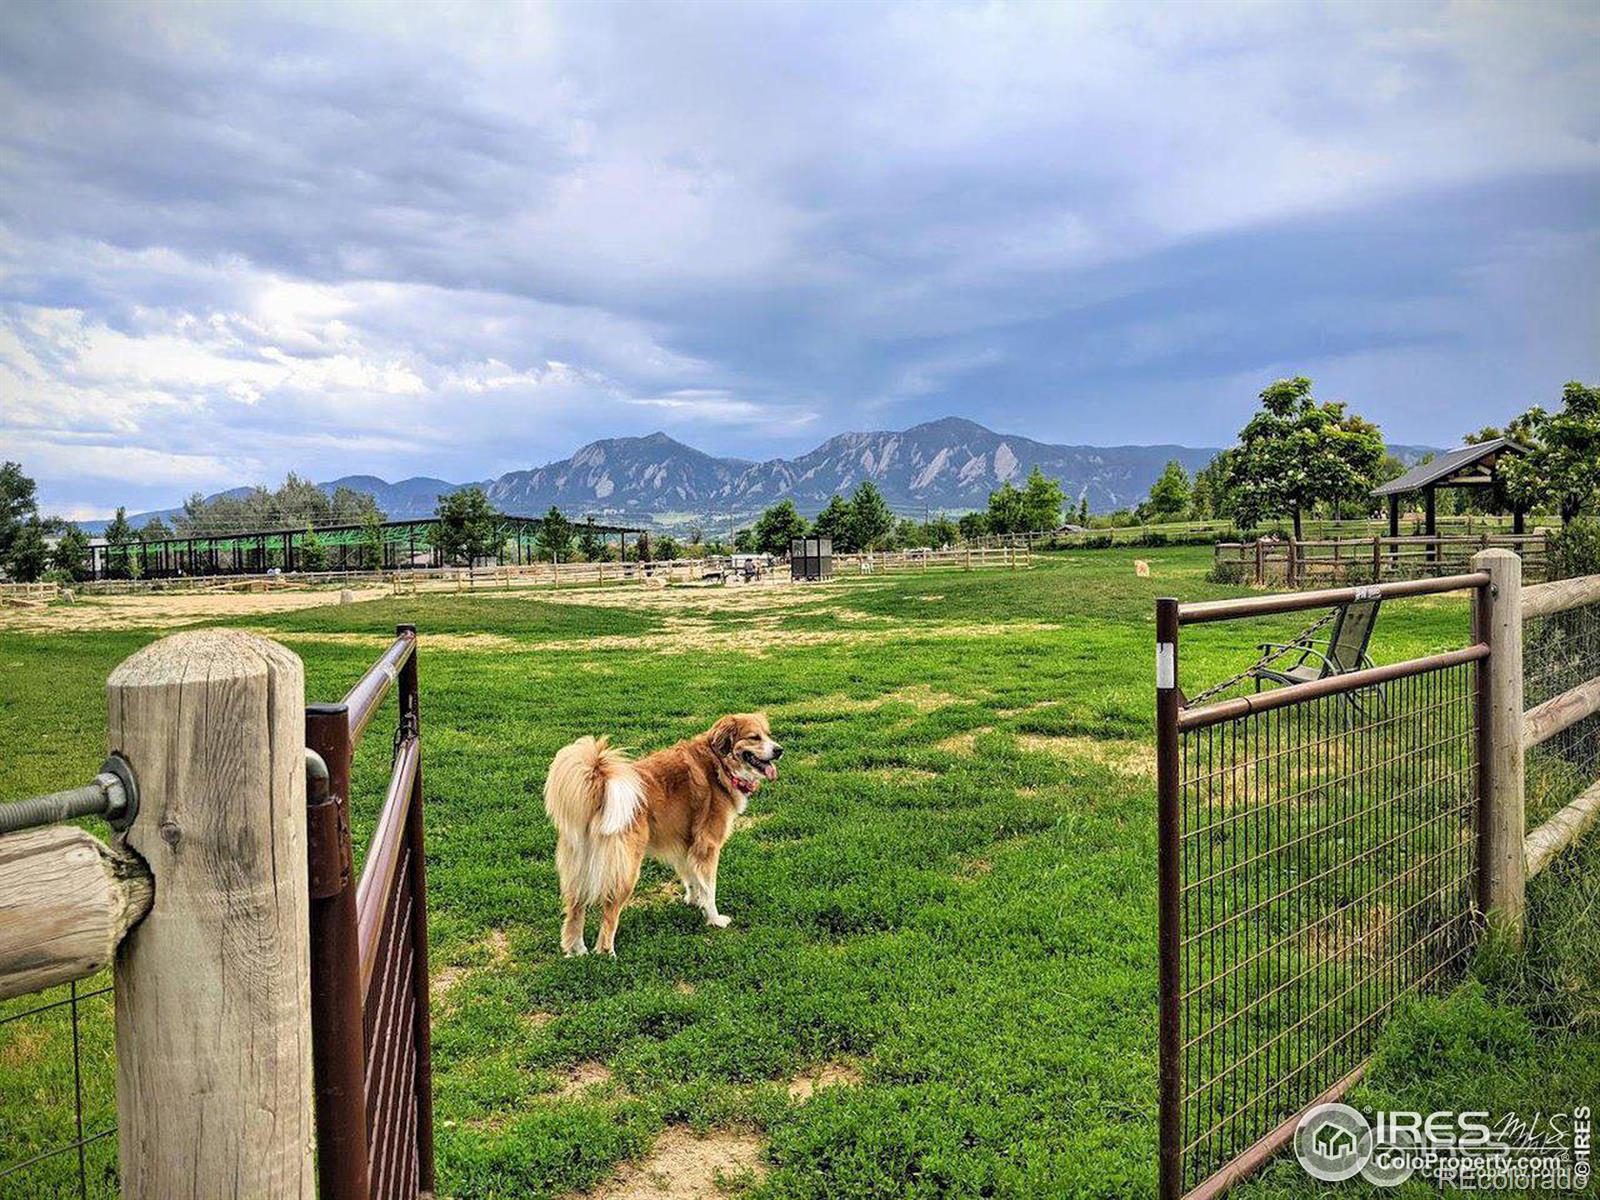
811,558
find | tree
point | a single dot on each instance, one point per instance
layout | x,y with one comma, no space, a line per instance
29,553
1083,510
119,537
555,535
940,532
1295,454
973,525
834,522
1042,499
369,550
1562,467
18,502
776,528
1006,511
313,555
1169,495
590,544
71,553
870,521
154,530
744,541
667,548
467,529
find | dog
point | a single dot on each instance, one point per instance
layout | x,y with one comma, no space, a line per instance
676,805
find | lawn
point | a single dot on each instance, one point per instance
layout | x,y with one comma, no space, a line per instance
940,977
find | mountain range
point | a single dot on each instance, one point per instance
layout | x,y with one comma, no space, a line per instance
950,464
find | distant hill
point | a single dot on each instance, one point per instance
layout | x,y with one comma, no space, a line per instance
949,464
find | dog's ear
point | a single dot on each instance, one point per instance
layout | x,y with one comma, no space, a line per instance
724,734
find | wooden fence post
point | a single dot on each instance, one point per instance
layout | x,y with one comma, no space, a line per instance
1497,620
214,1079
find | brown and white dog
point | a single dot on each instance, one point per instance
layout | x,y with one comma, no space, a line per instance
676,805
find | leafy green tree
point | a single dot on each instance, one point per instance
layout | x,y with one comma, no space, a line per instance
555,536
870,522
1169,495
154,530
1296,453
667,548
940,532
1042,499
70,555
30,555
369,549
311,554
468,528
18,502
1006,511
1562,467
834,522
776,528
973,525
744,541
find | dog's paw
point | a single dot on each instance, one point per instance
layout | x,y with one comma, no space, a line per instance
719,921
577,951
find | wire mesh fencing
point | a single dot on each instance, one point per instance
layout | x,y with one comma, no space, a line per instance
1561,651
58,1094
1328,859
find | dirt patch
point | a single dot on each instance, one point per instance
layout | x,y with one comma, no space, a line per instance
682,1166
538,1020
902,774
835,1074
481,642
167,610
961,743
579,1079
922,697
1123,756
445,980
750,820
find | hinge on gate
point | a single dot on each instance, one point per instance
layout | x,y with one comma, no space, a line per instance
328,862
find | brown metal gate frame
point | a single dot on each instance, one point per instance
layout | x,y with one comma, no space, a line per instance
369,951
1172,720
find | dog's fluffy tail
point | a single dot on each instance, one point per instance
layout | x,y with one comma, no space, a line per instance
593,795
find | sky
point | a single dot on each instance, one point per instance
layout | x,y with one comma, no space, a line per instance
457,239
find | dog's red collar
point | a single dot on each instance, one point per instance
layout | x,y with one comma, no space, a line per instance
748,788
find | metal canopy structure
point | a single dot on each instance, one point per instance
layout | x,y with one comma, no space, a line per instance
405,545
1465,466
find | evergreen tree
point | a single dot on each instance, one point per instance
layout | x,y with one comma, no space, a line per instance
120,537
870,521
834,522
555,536
71,554
973,525
370,548
1042,499
311,554
590,544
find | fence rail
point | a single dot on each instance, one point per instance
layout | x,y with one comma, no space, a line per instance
369,949
1367,560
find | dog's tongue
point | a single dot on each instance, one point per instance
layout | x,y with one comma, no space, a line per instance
770,770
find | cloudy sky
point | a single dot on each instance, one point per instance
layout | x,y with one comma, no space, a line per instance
456,239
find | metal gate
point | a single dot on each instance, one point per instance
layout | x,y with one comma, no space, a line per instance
1318,861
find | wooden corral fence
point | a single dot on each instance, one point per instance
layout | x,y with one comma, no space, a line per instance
1290,563
1327,848
961,558
30,592
271,1004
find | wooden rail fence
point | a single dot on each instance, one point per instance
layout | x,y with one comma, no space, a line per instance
1327,561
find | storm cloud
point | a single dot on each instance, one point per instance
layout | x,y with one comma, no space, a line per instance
456,240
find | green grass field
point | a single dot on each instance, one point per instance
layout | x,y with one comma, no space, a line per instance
948,899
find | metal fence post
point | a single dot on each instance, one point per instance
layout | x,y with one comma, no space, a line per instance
411,718
1497,620
1169,933
339,1062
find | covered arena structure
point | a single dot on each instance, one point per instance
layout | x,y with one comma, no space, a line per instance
405,545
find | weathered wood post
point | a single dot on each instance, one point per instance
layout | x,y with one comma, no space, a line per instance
1497,620
66,900
214,1079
